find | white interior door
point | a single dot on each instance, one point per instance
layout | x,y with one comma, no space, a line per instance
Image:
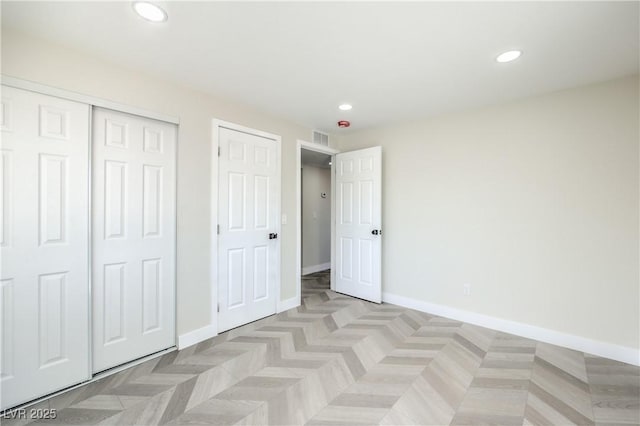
44,240
358,245
134,237
248,215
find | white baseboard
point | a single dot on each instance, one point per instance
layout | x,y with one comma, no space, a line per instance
571,341
316,268
207,332
196,336
285,305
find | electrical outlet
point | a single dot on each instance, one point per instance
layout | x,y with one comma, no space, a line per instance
466,289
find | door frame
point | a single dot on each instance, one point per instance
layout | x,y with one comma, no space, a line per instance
217,124
324,150
90,100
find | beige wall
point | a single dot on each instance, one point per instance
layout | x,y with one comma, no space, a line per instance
316,216
42,62
533,203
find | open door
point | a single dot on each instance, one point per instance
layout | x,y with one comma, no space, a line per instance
358,242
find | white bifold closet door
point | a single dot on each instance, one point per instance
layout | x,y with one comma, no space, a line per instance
133,233
44,240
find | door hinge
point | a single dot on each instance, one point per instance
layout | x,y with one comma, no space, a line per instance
218,229
218,307
218,151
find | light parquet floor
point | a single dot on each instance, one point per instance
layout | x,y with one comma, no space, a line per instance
337,360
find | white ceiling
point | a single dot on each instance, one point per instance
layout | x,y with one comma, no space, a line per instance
314,158
392,61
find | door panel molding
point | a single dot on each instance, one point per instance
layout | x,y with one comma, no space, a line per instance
358,181
265,175
54,123
134,237
44,290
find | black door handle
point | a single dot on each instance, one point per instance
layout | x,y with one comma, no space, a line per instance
377,232
273,236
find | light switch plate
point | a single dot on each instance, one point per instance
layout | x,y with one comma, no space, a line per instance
284,219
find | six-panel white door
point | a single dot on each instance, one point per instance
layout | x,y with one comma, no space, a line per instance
134,233
44,240
248,212
358,245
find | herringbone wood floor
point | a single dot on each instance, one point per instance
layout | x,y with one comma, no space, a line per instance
340,360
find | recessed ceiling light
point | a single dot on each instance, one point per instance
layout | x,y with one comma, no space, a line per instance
509,56
345,107
150,11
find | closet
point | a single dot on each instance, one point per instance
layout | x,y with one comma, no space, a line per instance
87,241
133,235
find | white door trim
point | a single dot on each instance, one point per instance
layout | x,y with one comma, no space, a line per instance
215,165
32,86
325,150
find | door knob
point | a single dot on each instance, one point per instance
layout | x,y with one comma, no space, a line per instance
377,232
273,236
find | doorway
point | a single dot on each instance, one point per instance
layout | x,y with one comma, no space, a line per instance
315,187
356,221
316,211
